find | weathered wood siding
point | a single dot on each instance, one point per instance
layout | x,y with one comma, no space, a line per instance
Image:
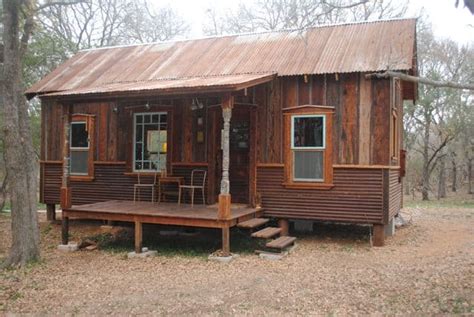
361,120
111,182
356,197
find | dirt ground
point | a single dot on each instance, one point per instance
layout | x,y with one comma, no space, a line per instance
426,268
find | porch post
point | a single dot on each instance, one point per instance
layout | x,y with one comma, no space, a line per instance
65,198
224,196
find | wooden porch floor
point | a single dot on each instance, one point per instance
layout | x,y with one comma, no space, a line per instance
161,213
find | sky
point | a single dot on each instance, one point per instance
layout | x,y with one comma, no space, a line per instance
448,21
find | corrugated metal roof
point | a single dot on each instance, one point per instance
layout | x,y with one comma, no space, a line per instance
171,86
356,47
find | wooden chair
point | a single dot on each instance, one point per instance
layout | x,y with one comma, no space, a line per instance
198,181
140,184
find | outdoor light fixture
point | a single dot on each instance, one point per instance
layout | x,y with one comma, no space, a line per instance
147,106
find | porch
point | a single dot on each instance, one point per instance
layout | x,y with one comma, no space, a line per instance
140,212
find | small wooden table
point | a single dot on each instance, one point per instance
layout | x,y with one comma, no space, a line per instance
178,180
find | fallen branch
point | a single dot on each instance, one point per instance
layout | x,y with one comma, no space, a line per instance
420,80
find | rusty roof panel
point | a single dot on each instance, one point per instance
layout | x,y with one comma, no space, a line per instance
356,47
224,83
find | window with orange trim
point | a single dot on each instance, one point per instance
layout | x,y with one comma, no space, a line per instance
81,147
308,146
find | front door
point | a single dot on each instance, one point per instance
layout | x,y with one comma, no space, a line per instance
239,154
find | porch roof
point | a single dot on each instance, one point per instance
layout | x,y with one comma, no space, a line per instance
223,83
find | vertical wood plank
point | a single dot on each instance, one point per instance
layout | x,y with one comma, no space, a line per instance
226,241
64,230
253,157
177,135
102,131
349,120
365,107
187,132
112,133
317,90
276,133
333,99
138,237
261,100
303,91
380,122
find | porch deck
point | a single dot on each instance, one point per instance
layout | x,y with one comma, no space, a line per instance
158,213
161,213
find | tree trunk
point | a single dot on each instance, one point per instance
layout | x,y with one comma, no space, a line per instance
469,176
442,178
425,176
406,186
454,170
19,154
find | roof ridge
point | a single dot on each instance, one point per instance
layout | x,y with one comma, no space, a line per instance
251,33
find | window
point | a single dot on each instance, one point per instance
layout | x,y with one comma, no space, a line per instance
307,144
150,141
308,149
81,146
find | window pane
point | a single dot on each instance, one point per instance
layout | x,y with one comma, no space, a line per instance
79,135
79,161
308,132
150,142
308,165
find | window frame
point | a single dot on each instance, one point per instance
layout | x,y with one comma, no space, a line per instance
289,116
134,144
395,122
89,121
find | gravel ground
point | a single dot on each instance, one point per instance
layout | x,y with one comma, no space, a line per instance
426,268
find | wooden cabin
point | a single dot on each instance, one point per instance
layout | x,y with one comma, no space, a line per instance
288,125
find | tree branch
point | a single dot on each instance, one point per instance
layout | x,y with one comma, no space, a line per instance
420,80
58,3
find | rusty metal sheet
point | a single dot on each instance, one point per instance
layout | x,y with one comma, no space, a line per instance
344,48
224,83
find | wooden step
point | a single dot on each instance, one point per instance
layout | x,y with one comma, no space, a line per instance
266,233
281,242
253,223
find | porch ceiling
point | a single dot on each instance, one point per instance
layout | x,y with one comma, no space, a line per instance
226,83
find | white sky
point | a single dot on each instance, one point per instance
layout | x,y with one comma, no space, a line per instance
448,22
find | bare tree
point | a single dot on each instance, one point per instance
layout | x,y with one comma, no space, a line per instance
436,115
98,23
270,15
144,24
17,135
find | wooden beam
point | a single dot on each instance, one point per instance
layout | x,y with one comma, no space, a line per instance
138,237
50,212
284,226
66,197
64,230
226,241
224,197
379,235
